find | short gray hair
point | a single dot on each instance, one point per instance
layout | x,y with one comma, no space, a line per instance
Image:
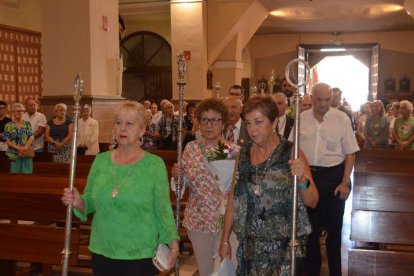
407,104
62,105
16,105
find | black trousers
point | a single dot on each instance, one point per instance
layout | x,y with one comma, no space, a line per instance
103,266
327,215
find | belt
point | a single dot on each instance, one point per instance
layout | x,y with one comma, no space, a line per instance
324,169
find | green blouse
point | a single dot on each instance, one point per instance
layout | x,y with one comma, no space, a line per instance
131,225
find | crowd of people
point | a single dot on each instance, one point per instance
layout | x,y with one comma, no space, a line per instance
238,165
26,132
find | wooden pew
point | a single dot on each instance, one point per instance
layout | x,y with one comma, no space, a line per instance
384,160
34,198
383,216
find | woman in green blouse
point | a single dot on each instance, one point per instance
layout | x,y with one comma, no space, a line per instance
127,190
19,137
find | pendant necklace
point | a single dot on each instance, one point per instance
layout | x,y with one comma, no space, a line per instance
258,178
115,191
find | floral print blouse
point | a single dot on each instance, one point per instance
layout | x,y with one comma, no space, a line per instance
203,208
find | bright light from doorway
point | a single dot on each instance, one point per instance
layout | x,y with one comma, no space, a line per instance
347,73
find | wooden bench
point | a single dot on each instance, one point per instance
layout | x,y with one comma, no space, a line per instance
382,220
384,160
36,200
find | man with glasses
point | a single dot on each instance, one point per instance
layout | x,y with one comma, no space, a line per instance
3,121
236,91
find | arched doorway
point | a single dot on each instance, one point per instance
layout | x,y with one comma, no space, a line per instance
147,59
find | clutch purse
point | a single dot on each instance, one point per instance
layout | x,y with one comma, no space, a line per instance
160,259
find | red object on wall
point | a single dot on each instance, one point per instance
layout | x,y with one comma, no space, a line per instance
105,24
187,55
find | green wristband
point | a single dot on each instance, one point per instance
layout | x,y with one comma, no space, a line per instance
304,186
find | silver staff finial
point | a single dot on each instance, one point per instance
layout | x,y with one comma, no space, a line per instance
217,88
78,86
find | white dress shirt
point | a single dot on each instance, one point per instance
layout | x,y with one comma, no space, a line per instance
281,127
36,120
236,131
326,143
88,134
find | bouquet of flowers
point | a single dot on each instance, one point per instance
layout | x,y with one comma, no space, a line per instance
221,160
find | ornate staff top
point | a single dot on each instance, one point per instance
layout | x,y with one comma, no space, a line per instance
78,87
181,67
217,87
271,81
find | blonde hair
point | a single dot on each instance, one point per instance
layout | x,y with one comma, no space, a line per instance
62,105
134,107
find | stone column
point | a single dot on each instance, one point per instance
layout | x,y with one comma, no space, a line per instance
81,36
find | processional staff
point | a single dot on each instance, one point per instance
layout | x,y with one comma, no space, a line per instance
301,83
68,225
181,83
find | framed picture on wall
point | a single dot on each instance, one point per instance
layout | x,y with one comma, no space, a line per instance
389,85
405,84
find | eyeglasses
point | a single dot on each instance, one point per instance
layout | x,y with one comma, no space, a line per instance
213,121
19,111
235,94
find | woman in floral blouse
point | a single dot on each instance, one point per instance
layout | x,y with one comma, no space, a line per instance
19,137
203,212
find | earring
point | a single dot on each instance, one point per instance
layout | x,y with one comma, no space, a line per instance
141,141
114,143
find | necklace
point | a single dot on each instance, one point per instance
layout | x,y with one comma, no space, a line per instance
115,191
258,178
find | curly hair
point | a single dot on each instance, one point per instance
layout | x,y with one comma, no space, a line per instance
214,105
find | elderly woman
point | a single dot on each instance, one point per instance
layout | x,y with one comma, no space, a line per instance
260,208
58,133
127,190
88,133
376,131
403,132
206,205
19,137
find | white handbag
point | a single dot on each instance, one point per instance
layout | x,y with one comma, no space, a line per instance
160,259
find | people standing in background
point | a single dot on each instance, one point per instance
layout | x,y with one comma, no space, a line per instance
376,129
284,122
404,127
329,144
336,102
59,133
306,103
147,104
154,109
167,130
88,133
189,120
3,121
127,191
38,122
237,91
19,138
365,112
236,129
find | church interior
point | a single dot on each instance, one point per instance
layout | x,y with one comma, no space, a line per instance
128,49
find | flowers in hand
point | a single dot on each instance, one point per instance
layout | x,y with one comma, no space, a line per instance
221,151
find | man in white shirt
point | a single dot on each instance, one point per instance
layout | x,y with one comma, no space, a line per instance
285,123
88,133
236,131
38,122
329,144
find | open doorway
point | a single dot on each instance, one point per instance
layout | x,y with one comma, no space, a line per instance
347,73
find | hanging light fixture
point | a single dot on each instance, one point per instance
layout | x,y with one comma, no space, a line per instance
409,7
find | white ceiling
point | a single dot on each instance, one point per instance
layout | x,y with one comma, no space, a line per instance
304,16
